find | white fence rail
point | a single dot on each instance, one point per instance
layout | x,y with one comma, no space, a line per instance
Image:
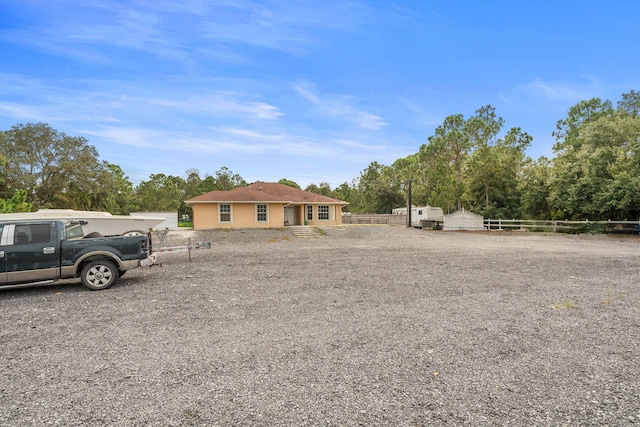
512,224
377,219
562,225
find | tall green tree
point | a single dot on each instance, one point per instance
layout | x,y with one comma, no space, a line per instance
116,194
482,168
208,183
596,172
4,191
56,170
533,186
161,193
227,180
448,150
411,168
347,193
568,129
381,192
195,185
493,175
630,104
323,188
16,203
192,181
289,182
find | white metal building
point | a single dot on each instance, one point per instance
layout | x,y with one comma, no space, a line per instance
463,220
170,219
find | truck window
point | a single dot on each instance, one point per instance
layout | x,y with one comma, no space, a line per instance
32,233
74,230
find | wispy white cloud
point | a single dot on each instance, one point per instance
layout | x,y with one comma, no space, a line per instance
284,26
223,103
369,121
564,91
247,133
217,141
179,32
99,101
20,112
340,107
307,94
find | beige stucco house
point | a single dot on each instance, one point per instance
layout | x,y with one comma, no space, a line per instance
264,205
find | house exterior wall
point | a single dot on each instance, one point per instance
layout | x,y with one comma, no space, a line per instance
335,215
205,216
243,215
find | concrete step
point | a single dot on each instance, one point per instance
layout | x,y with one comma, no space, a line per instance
304,231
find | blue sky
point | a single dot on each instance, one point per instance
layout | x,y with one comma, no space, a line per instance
312,91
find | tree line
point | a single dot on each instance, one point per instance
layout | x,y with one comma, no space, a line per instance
472,163
469,162
42,168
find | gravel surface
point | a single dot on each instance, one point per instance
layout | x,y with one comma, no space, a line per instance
363,325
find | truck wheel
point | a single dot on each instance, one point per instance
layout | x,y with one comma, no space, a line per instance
98,275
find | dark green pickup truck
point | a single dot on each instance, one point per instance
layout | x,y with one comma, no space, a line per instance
36,253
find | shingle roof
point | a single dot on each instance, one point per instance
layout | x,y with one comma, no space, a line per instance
264,192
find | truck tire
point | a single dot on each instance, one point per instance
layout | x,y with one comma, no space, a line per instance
99,275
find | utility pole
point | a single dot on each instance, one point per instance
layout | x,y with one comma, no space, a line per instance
409,203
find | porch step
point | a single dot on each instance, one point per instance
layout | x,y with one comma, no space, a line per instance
304,231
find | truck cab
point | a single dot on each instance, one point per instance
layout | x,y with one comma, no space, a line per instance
41,252
29,252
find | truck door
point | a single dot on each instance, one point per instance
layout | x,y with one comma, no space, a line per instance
3,256
33,256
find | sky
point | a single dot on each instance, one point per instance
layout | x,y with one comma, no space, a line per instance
312,91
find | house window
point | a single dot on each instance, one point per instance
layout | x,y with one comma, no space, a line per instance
323,212
309,213
261,213
225,213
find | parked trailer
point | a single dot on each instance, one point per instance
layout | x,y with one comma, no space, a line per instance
189,247
423,216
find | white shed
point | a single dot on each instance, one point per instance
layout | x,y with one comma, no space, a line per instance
463,220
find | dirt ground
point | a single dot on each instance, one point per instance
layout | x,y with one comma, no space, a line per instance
362,325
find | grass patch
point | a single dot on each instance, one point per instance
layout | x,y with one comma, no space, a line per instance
278,239
565,305
610,298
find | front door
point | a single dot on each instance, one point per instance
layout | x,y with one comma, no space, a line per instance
289,215
33,256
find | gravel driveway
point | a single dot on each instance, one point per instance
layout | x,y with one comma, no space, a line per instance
363,325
